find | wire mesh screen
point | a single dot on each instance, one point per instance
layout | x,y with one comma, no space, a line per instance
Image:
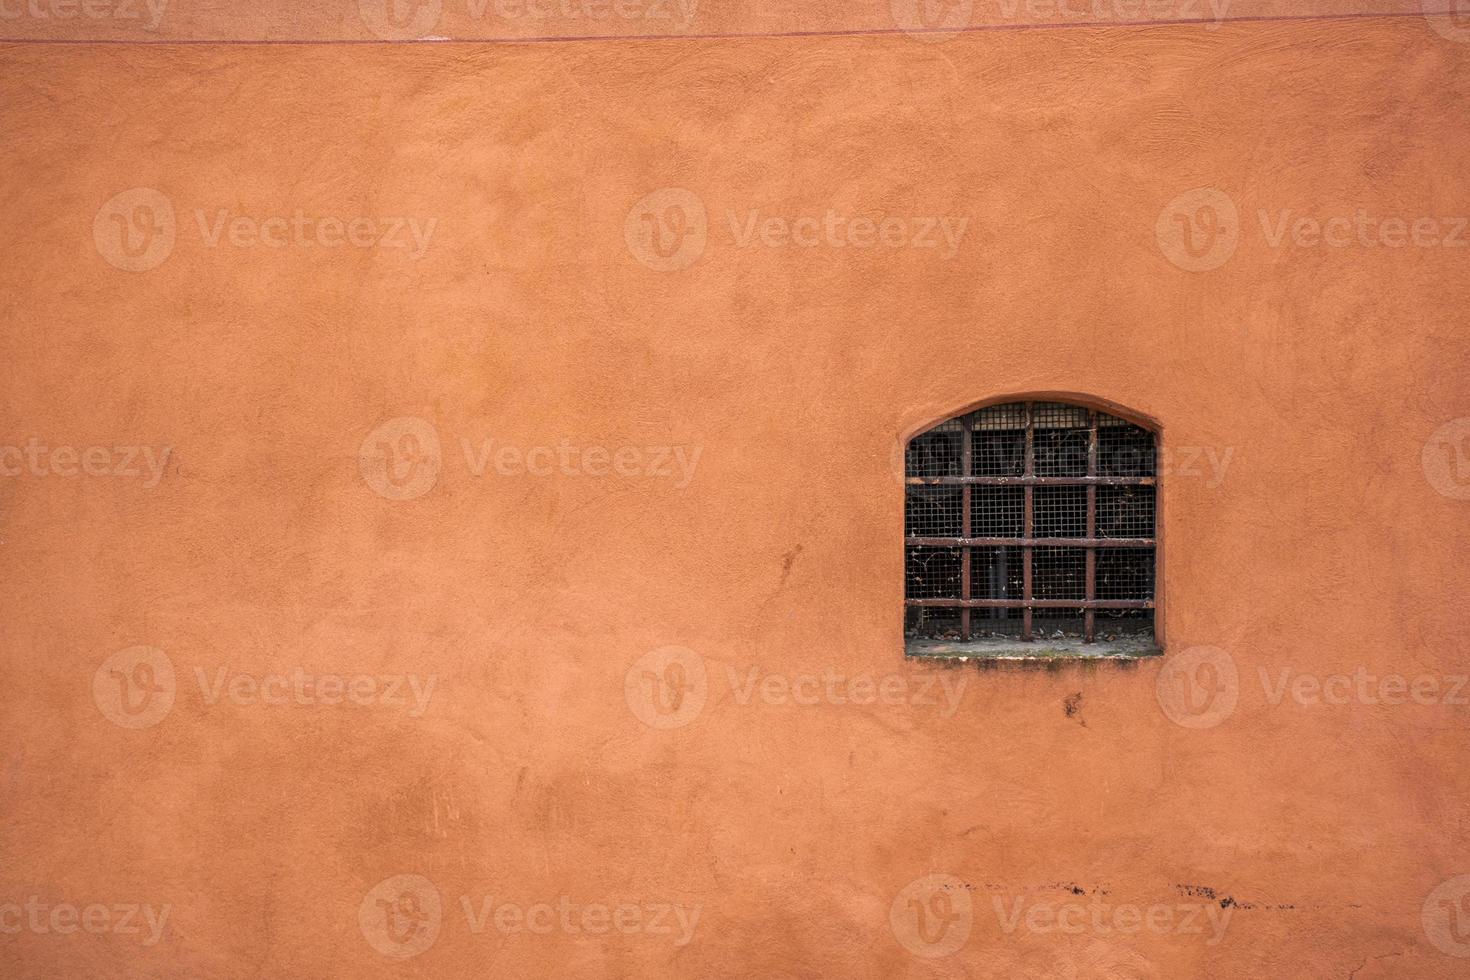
1059,512
998,515
933,512
1030,518
1125,512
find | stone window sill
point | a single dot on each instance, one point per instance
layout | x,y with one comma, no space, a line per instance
1040,650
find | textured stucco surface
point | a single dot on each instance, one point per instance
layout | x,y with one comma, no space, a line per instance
795,372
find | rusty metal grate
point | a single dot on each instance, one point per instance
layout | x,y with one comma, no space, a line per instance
1027,518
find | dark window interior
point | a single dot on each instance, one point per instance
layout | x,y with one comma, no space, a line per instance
1030,520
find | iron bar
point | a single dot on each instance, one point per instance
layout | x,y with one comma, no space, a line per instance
1035,481
1089,616
1090,542
1028,527
1036,603
967,468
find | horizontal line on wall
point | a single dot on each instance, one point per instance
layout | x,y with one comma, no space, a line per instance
753,35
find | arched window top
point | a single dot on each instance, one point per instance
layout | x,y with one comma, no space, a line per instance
1031,521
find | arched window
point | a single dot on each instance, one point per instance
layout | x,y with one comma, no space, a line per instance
1030,520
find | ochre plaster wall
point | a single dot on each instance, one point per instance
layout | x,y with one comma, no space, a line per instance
1323,538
